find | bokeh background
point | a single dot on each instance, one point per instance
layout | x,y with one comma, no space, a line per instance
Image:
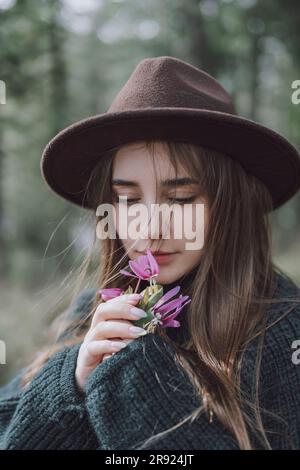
64,60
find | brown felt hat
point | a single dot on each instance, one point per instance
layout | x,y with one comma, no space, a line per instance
167,98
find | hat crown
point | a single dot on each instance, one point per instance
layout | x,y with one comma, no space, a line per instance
168,82
168,99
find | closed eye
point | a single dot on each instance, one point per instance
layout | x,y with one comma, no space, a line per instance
172,200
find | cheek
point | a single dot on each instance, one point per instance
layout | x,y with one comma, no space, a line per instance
199,216
121,222
117,220
190,259
193,222
125,227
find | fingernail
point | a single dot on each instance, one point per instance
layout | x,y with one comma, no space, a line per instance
134,296
138,312
118,345
138,331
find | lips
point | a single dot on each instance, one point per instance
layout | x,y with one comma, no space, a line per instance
164,258
159,253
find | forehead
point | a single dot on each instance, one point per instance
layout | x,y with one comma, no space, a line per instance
136,159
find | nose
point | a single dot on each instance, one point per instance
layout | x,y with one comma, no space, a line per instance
156,224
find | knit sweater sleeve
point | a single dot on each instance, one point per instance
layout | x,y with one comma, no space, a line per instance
50,412
140,392
9,397
15,401
280,381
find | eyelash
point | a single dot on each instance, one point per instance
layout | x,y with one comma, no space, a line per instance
178,200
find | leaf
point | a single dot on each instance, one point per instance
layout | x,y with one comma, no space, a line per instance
143,302
151,295
157,294
145,320
129,290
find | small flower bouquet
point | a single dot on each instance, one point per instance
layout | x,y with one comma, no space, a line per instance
161,310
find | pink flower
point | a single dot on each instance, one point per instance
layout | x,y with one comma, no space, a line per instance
161,311
144,267
165,312
108,294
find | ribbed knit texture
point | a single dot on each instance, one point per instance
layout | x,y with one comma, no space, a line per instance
140,391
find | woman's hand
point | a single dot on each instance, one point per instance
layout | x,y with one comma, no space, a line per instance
110,331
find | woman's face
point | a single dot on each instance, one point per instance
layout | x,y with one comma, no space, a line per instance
133,176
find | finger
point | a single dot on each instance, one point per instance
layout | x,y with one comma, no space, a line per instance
93,332
111,329
126,298
117,310
125,340
95,350
106,356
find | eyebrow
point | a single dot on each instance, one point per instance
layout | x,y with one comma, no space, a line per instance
169,183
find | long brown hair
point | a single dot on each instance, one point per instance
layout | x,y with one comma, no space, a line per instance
232,289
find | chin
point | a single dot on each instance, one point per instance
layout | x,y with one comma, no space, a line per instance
161,279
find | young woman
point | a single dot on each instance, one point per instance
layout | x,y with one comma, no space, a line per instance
225,379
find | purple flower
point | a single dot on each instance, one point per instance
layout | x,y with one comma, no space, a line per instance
108,294
144,267
165,312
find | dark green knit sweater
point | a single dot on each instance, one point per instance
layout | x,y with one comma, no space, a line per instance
139,392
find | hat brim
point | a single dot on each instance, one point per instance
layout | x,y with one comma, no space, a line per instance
69,157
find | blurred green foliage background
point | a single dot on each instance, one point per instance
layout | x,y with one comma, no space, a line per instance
64,60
